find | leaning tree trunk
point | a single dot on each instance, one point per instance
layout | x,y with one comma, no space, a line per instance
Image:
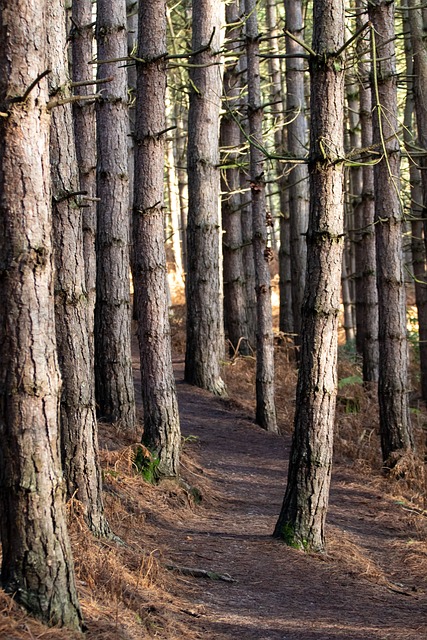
395,425
302,518
161,419
297,136
235,317
113,361
265,405
205,334
37,566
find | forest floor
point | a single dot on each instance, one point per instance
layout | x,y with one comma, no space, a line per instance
198,559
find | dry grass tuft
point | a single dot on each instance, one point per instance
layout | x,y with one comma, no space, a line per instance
347,552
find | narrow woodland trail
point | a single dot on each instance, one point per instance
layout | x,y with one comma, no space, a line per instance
370,584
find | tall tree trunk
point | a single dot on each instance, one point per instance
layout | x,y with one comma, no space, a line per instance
205,334
302,519
395,426
246,207
79,441
265,405
37,566
278,99
297,139
235,317
365,234
419,79
85,139
113,363
161,420
417,30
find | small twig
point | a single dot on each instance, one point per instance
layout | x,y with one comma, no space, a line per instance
57,102
301,43
31,87
69,195
85,83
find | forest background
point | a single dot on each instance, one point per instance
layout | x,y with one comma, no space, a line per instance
307,122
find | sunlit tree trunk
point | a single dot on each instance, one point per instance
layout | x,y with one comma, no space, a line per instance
205,334
85,137
161,419
302,518
113,363
395,425
79,441
265,405
37,567
365,233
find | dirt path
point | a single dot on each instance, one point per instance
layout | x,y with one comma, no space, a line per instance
369,585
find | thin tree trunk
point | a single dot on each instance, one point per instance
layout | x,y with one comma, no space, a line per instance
302,519
79,440
395,425
37,566
161,420
298,179
113,363
417,31
365,234
417,198
85,139
265,405
234,280
205,333
419,74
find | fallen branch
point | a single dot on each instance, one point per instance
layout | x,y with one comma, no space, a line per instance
200,573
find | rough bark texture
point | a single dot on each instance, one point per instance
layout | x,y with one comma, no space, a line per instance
395,426
265,406
246,207
113,365
37,566
416,29
235,318
161,420
79,440
85,137
297,147
302,518
366,282
205,334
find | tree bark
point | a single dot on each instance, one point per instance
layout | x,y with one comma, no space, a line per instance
85,140
418,74
302,519
161,420
236,323
297,147
37,567
113,362
205,334
395,425
365,235
79,439
265,405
